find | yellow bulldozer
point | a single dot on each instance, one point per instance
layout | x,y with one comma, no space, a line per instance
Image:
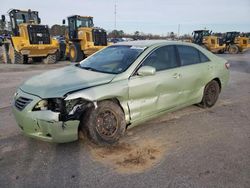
235,43
29,39
205,39
82,38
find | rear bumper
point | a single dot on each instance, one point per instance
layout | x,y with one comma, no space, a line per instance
44,125
41,50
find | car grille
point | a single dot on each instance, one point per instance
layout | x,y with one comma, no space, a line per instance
39,34
22,102
99,37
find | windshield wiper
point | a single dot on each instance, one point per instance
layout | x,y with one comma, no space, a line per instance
90,68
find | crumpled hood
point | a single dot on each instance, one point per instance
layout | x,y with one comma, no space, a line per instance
57,83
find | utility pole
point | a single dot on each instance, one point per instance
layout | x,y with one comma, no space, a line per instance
179,26
115,14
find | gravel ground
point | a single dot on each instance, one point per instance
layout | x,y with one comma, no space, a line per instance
188,148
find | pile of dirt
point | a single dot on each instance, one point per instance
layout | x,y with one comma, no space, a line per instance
129,157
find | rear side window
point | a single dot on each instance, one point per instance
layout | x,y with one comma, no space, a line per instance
188,55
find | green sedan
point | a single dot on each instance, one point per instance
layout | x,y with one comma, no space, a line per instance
117,88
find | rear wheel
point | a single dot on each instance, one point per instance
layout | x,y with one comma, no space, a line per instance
15,56
210,95
233,49
75,53
105,124
50,59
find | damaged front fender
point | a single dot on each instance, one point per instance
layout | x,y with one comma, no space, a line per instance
117,90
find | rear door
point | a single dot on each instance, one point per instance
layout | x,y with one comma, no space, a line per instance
195,72
151,94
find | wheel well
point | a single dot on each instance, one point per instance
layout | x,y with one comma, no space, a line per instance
115,100
218,81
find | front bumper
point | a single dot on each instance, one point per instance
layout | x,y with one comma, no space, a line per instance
43,125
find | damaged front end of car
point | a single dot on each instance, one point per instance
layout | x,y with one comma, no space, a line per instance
53,120
67,109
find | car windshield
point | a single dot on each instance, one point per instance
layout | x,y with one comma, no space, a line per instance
114,59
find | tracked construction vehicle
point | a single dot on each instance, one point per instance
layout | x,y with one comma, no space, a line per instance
82,38
29,39
235,43
207,40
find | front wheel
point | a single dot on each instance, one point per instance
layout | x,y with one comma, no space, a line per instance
105,124
233,49
50,59
15,56
75,52
210,95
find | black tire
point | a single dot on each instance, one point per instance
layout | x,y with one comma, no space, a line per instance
58,55
61,53
50,59
37,59
14,56
233,49
104,124
75,52
210,95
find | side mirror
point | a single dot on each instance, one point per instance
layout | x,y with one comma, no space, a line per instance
146,71
63,22
39,20
3,18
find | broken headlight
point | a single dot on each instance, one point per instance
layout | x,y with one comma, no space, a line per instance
55,105
41,105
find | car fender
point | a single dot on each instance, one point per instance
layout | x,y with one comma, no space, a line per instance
114,90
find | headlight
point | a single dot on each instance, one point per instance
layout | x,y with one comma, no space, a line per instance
41,105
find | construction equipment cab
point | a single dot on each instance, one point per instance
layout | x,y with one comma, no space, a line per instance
235,43
205,39
29,39
82,38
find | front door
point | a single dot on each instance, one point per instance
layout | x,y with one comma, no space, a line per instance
155,93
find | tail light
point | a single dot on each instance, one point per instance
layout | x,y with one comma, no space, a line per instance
227,65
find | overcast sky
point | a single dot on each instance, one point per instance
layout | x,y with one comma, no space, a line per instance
149,16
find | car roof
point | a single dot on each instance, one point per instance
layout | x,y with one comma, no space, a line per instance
148,43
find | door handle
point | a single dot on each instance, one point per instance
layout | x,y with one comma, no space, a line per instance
177,75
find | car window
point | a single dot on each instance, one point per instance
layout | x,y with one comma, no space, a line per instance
188,55
203,58
162,58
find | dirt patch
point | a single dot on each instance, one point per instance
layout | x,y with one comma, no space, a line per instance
129,157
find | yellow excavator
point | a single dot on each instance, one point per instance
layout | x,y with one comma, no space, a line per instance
82,38
235,43
29,39
205,39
